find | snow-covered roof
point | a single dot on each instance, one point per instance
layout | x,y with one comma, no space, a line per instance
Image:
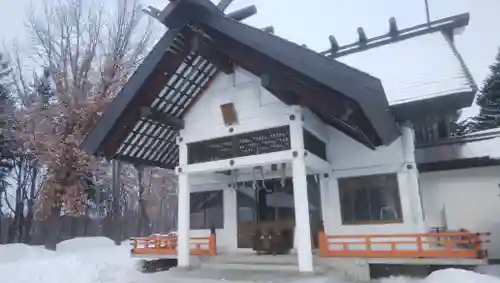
414,69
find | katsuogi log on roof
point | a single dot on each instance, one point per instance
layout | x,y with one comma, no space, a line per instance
141,124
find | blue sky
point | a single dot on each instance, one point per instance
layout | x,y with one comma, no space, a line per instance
311,22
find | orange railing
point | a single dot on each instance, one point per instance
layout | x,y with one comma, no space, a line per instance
434,245
167,245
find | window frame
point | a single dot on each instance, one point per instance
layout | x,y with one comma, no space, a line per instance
395,192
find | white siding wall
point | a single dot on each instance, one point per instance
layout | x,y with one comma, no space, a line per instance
471,200
255,106
348,155
349,158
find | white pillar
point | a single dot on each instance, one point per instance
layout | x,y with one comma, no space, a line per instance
230,219
302,223
411,174
183,215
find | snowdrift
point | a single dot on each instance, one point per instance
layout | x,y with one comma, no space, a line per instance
450,275
82,260
98,260
85,244
15,252
459,276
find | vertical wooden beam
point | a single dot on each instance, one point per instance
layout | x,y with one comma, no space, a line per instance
116,174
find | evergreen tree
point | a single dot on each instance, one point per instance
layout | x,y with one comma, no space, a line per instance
6,123
489,100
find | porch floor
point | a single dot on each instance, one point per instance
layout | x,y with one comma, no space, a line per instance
291,259
247,258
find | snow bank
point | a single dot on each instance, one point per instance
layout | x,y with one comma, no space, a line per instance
459,276
15,252
399,279
83,260
98,260
450,275
85,244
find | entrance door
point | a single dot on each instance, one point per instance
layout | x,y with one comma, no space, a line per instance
274,209
267,208
247,215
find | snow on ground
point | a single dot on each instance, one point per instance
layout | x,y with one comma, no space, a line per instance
90,244
14,252
459,276
450,275
98,260
81,260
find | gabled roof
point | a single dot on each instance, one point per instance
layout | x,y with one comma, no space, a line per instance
423,73
141,124
405,71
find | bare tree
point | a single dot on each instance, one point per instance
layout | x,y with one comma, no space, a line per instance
88,53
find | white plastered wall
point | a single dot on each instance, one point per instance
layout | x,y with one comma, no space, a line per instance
470,199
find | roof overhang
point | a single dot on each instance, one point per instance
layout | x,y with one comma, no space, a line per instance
437,105
200,42
478,149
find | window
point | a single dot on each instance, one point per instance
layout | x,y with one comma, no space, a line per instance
314,145
370,199
207,209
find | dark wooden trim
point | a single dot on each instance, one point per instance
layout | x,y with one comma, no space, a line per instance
209,51
163,118
448,23
113,122
457,164
223,4
242,14
140,161
373,222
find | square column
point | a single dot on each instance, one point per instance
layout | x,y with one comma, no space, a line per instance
183,216
300,198
183,213
230,219
410,177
